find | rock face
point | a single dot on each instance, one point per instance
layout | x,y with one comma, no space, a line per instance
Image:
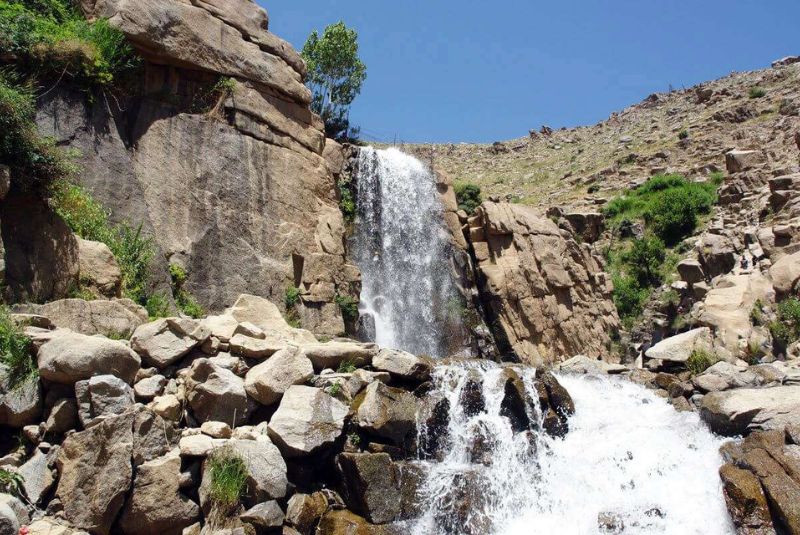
549,294
269,217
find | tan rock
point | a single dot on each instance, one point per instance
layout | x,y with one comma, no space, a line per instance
268,381
117,318
735,412
549,294
737,161
98,268
680,347
785,273
69,357
307,420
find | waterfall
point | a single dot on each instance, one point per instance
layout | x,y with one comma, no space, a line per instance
401,247
629,464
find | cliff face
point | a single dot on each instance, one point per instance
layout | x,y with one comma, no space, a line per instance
238,193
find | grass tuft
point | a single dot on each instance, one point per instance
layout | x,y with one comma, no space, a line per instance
228,473
699,361
16,355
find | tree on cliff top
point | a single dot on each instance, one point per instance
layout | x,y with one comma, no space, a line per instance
335,75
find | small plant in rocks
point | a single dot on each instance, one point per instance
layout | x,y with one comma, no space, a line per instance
11,482
15,353
699,361
228,473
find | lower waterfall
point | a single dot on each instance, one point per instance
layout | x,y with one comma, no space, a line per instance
629,464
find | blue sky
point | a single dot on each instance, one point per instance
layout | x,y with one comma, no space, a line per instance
483,71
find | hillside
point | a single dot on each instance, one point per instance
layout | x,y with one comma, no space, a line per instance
563,166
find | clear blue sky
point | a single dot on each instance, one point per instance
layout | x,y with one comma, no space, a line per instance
483,71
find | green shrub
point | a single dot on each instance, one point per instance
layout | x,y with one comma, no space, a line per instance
756,92
185,301
228,473
81,212
292,296
347,203
346,366
348,306
683,134
157,306
785,329
756,313
468,196
644,260
699,361
15,353
53,40
335,388
11,482
628,296
134,253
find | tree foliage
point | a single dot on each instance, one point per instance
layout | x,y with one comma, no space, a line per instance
335,75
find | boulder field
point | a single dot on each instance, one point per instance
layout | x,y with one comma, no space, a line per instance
122,436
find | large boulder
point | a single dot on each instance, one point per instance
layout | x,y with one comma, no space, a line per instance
549,293
739,411
679,348
165,341
99,270
307,420
266,469
371,485
95,473
745,499
216,393
264,516
785,273
333,354
737,161
20,405
268,381
117,318
265,315
387,412
68,357
717,254
403,365
156,504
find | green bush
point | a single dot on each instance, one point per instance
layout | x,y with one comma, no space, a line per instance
756,92
15,353
346,366
785,329
347,203
468,196
228,473
185,301
673,217
292,296
683,134
629,296
644,261
348,307
157,306
699,361
51,39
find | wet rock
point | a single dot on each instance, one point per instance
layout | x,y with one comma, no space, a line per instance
387,412
307,420
434,415
371,485
69,357
304,511
515,405
472,399
268,381
156,504
746,500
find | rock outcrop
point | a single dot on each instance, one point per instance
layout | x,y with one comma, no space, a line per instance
239,193
548,294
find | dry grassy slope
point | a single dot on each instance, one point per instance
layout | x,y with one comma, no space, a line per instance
631,145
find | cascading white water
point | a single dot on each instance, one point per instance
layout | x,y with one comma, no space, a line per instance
629,460
400,245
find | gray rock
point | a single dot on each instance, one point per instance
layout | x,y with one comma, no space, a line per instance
153,436
255,348
95,473
268,381
333,354
403,365
117,318
149,388
62,418
691,271
371,485
307,420
100,397
680,347
216,394
387,412
736,412
266,469
37,477
156,504
12,512
98,267
160,343
69,357
22,405
264,515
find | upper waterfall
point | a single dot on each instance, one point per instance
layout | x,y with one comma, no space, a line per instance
401,247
